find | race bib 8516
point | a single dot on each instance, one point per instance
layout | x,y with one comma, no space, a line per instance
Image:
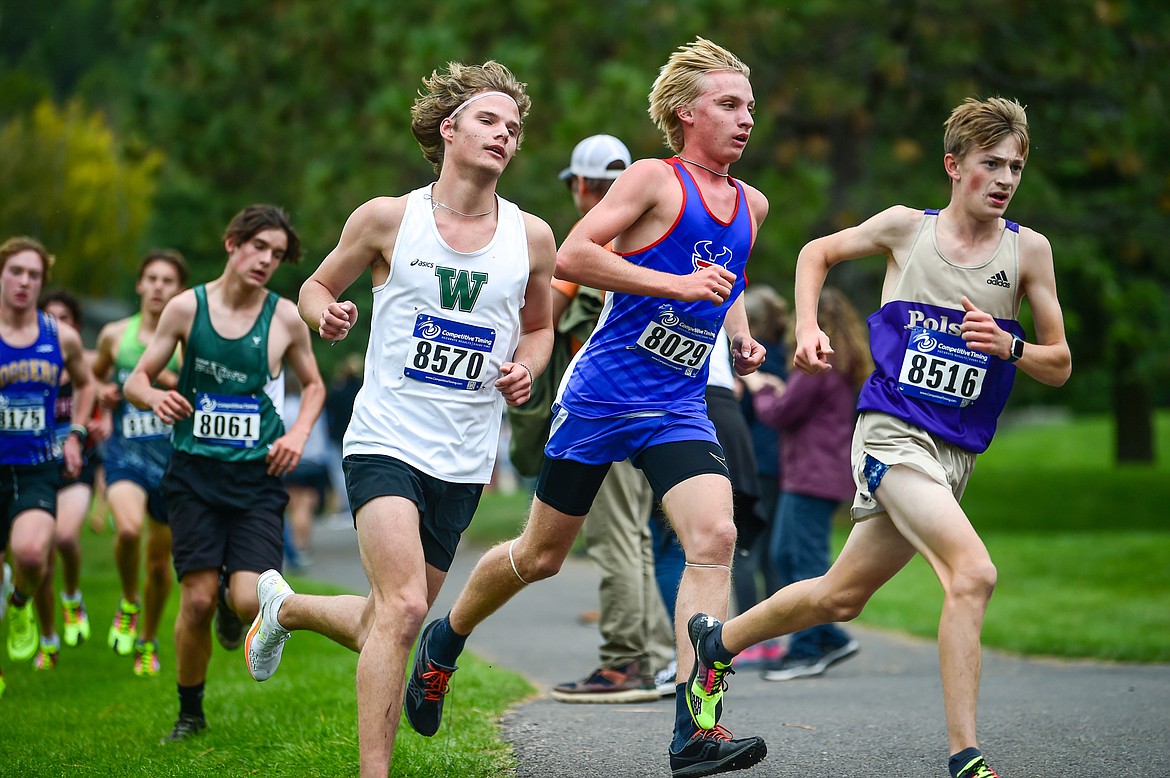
939,367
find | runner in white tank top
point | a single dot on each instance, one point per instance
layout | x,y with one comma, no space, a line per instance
444,323
461,323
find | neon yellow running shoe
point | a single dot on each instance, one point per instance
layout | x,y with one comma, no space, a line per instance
977,768
22,632
146,658
76,622
47,655
125,627
707,683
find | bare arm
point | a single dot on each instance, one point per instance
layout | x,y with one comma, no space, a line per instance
888,233
173,327
80,377
536,328
286,450
746,353
640,206
107,393
1048,360
366,241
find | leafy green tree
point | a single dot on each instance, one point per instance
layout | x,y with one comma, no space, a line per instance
306,105
68,183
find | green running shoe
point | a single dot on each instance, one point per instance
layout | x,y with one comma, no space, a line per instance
22,632
707,682
75,630
125,627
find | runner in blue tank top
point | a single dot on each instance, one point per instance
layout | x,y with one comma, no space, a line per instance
33,352
682,230
946,345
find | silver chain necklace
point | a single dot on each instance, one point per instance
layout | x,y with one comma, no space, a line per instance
696,164
437,204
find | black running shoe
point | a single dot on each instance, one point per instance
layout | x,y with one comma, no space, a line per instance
425,689
187,726
711,751
229,630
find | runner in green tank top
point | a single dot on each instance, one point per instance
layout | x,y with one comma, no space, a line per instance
135,458
224,496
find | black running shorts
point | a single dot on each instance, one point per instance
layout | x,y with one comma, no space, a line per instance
224,514
445,508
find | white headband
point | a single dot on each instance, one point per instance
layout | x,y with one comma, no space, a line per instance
473,98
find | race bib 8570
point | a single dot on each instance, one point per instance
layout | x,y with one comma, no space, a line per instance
449,353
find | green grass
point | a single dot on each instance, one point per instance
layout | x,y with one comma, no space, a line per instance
93,716
1081,547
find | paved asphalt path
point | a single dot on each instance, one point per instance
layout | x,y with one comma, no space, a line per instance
877,714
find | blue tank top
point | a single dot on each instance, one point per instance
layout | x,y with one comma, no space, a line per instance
29,378
650,355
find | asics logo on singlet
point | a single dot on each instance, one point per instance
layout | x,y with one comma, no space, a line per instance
219,372
421,263
1000,279
703,257
459,288
44,348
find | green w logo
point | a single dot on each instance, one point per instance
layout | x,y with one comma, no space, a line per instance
459,287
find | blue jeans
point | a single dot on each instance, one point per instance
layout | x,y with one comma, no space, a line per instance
669,560
800,550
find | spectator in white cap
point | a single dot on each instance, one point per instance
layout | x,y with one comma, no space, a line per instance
636,639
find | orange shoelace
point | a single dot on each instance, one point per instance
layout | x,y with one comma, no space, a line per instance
436,683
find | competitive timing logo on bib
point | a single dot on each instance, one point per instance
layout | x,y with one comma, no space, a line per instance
668,318
923,341
207,403
429,330
702,256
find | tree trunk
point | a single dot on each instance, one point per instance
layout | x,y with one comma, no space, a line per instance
1133,413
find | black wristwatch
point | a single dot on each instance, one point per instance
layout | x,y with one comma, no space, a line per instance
1017,350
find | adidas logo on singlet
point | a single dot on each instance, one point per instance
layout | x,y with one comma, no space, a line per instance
1000,279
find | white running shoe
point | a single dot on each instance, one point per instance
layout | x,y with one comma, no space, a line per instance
265,641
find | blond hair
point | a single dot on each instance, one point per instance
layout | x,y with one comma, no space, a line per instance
20,243
683,79
981,124
444,92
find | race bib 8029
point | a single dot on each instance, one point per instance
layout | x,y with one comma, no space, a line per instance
679,341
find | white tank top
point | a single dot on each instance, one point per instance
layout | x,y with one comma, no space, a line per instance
443,324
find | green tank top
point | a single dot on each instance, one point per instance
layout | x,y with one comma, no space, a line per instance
228,384
129,422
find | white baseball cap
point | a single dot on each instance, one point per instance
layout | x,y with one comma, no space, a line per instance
593,156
